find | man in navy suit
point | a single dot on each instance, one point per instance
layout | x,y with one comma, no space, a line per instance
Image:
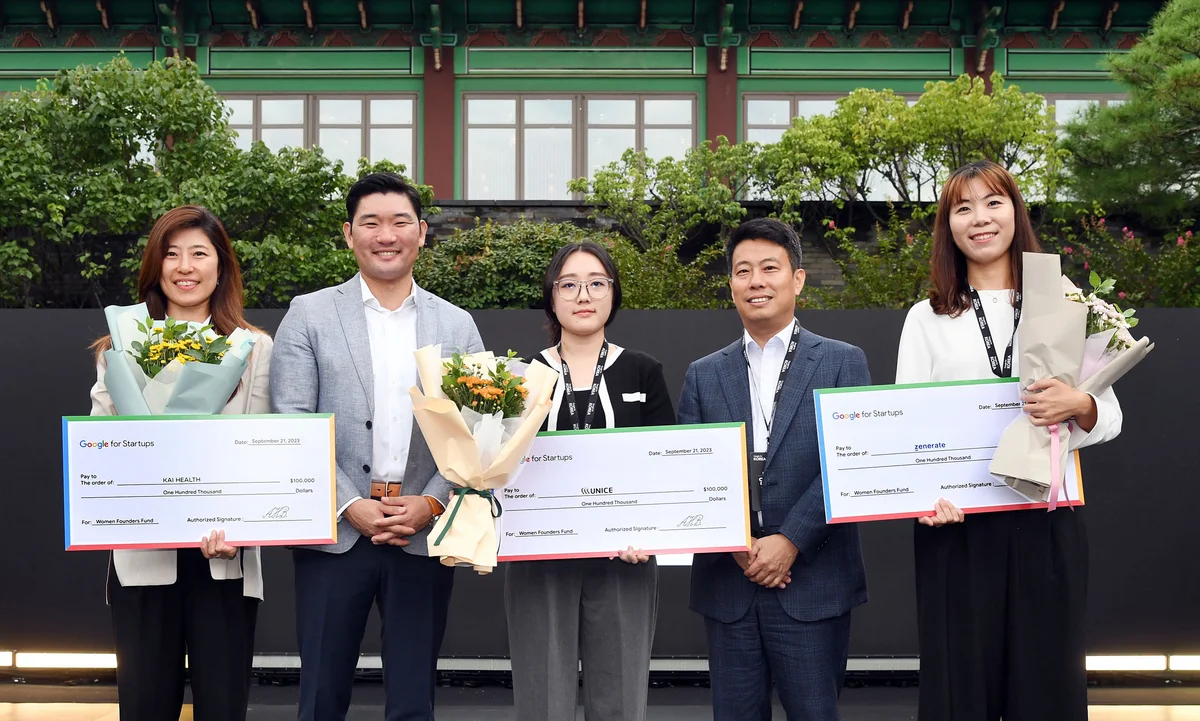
780,612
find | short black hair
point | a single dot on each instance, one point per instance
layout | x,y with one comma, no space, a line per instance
766,229
375,183
556,266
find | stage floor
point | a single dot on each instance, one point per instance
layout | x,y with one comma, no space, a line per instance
28,702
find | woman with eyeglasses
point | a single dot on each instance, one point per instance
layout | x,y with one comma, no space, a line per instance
600,611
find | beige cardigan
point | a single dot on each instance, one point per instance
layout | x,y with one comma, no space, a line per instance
155,567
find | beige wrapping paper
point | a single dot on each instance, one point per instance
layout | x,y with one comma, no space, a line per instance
1052,336
471,539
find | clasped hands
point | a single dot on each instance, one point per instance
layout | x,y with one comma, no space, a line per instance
769,561
390,520
631,555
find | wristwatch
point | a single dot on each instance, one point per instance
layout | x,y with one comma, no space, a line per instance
436,508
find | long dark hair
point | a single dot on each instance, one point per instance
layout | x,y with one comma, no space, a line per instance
225,304
950,294
553,327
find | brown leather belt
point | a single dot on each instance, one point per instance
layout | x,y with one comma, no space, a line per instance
385,489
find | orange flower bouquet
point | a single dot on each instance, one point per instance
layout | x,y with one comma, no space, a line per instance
479,414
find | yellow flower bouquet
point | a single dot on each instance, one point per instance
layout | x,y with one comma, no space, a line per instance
174,340
171,367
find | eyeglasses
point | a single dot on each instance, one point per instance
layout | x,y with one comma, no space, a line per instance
597,288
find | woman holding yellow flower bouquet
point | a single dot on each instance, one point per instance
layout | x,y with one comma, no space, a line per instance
199,602
600,610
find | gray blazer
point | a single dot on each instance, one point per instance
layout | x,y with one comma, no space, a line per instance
322,364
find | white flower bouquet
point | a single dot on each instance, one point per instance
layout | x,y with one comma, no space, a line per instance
1080,339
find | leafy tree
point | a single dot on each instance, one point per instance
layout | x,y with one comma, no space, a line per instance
89,160
668,208
1144,155
667,202
875,141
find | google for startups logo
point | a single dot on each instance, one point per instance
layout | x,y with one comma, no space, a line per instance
860,415
546,458
853,415
101,445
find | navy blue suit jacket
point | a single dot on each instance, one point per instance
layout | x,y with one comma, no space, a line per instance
828,578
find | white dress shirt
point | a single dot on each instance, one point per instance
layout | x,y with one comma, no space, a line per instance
393,336
765,366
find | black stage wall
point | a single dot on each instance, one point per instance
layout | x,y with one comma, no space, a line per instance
1142,494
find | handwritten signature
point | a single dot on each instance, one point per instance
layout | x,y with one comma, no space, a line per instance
691,522
277,512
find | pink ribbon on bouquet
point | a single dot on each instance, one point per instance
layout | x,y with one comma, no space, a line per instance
1056,475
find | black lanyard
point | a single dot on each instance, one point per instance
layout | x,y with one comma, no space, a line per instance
1005,370
569,390
783,371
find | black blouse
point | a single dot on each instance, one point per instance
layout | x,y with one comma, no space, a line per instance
627,379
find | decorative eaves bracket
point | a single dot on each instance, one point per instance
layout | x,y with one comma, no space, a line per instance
988,37
435,38
172,33
726,38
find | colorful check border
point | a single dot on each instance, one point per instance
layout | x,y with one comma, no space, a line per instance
66,420
656,551
1018,506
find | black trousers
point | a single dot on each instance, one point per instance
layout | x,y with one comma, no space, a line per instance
806,661
155,626
1000,612
334,593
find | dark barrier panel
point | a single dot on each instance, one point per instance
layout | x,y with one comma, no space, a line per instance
1141,491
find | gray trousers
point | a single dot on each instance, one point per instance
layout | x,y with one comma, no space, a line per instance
591,609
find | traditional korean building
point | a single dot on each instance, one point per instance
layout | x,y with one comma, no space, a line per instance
507,99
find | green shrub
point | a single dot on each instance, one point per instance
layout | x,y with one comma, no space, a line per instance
893,275
1148,273
503,266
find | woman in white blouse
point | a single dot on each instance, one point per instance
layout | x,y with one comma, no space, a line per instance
1000,596
202,602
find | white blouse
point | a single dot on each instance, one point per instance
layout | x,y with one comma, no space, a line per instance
938,348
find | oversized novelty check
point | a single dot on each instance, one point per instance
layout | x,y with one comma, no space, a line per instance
893,451
580,494
166,481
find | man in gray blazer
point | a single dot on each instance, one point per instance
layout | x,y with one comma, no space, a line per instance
348,350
